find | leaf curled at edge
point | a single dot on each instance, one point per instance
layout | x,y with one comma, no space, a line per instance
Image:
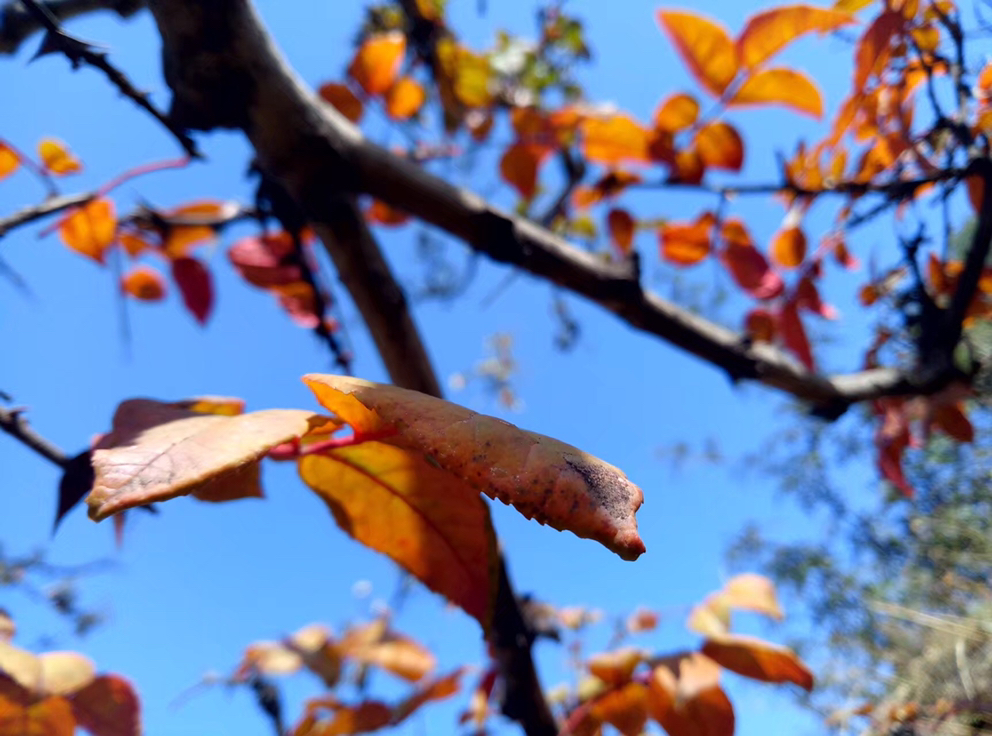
545,479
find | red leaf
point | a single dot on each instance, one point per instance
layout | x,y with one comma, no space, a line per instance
748,267
108,706
794,334
873,48
266,260
194,282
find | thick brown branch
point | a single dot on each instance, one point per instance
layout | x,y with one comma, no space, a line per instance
17,24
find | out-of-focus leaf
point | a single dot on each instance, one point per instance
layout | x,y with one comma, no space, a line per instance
91,229
57,159
758,659
377,62
705,47
195,285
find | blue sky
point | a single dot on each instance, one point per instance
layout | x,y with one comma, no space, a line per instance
192,587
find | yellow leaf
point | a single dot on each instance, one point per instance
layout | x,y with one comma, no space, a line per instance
55,157
782,87
677,113
752,592
90,229
545,479
377,62
705,47
405,98
342,99
157,451
768,32
720,146
9,160
467,74
431,523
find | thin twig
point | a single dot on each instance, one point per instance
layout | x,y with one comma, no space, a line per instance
79,52
12,422
39,211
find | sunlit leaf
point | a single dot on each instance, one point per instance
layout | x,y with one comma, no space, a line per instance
788,248
686,699
63,673
545,479
780,87
377,62
405,98
57,159
91,229
181,239
677,113
752,592
705,47
615,139
440,689
23,714
343,100
616,667
156,451
720,146
758,659
430,522
626,708
685,244
9,160
144,283
768,32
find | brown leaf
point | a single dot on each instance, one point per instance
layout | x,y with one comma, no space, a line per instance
108,706
545,479
626,708
7,626
686,699
758,659
621,227
156,451
617,667
343,100
519,166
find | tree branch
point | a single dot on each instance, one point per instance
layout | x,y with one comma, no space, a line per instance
50,206
17,24
12,422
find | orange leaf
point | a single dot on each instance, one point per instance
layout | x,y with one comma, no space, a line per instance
684,244
439,689
626,709
691,702
377,62
759,324
519,166
873,47
144,283
705,47
642,620
375,644
780,87
720,146
688,167
768,32
56,158
790,327
677,113
789,247
180,239
405,98
90,229
157,451
622,227
23,714
617,667
108,706
380,213
9,160
429,522
133,245
758,659
613,139
343,100
545,479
